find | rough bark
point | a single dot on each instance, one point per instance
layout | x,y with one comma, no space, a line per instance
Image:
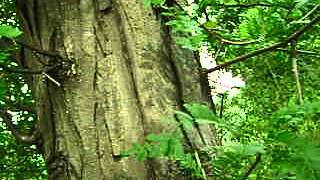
119,74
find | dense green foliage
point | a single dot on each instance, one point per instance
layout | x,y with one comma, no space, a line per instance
18,161
265,132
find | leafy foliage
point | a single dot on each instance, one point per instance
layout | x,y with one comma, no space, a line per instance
9,31
264,132
19,161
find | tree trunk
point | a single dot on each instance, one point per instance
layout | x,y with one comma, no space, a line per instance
119,73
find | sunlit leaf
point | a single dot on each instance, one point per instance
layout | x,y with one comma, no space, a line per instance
9,31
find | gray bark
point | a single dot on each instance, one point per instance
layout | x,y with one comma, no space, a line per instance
119,74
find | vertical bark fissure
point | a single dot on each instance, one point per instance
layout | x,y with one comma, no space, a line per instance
53,132
183,87
129,57
109,139
205,91
99,45
95,118
205,87
37,28
179,91
81,155
101,174
23,9
56,162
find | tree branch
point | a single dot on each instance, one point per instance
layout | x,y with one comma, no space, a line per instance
252,167
30,47
224,40
293,57
217,52
245,57
310,53
284,43
38,50
216,34
24,71
310,12
25,138
253,5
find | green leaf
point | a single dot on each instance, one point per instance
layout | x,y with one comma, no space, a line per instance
153,138
245,149
205,121
181,114
186,123
210,24
9,32
3,88
185,119
200,111
154,3
4,56
178,149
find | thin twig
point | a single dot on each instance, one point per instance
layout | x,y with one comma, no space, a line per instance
204,175
273,47
217,52
51,79
252,5
252,167
274,76
310,12
224,40
310,53
221,105
295,70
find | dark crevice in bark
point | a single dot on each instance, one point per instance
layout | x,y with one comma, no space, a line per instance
79,137
205,93
53,150
96,74
53,155
205,88
95,118
98,43
22,7
115,158
36,10
101,174
75,131
95,77
168,41
128,56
